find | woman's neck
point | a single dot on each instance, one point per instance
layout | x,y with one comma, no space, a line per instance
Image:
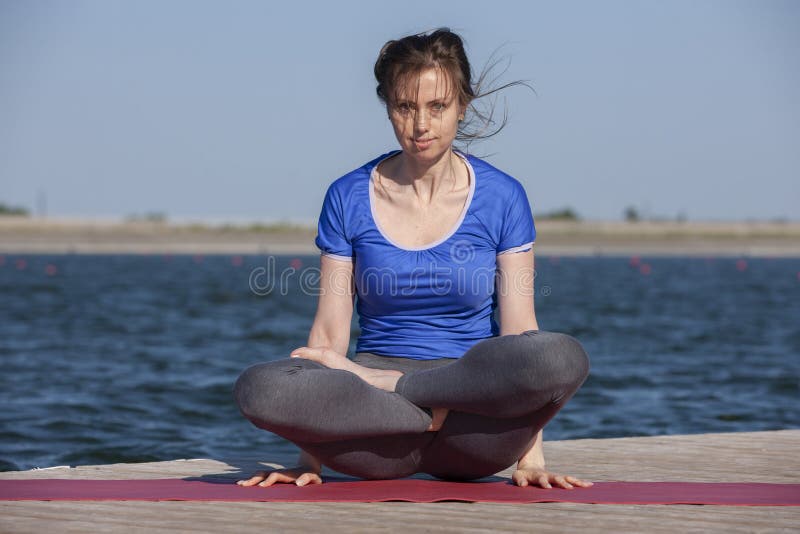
427,179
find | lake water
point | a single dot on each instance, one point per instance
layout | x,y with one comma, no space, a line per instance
123,358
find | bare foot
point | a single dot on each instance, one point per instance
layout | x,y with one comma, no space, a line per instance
379,378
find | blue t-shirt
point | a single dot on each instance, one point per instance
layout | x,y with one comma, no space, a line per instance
430,302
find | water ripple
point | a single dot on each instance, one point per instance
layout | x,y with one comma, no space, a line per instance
132,358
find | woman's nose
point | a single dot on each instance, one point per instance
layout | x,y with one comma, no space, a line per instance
421,121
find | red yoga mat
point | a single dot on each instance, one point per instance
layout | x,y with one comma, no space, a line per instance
410,490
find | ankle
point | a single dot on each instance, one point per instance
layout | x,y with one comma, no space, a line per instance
385,380
437,419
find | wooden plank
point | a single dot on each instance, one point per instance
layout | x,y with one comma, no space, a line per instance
737,457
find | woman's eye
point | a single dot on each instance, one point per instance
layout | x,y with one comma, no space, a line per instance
438,106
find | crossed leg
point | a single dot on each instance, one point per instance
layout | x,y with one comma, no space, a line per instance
499,394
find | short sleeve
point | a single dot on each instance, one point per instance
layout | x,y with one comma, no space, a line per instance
518,231
332,238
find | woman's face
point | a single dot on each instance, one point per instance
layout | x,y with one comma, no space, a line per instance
425,115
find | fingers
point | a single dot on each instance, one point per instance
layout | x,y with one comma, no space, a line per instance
519,479
547,480
301,352
276,476
264,480
253,480
308,478
568,482
524,478
579,483
309,353
562,482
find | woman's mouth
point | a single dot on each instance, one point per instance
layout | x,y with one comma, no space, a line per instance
422,144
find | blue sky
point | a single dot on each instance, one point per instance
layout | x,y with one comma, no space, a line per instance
248,110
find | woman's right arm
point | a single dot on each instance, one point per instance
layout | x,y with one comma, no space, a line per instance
331,327
331,330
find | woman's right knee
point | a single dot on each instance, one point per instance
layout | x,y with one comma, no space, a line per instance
262,386
249,388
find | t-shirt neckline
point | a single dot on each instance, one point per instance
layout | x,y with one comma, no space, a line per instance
449,234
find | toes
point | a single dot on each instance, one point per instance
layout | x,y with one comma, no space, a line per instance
308,353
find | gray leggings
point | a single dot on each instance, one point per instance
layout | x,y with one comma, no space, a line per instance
500,393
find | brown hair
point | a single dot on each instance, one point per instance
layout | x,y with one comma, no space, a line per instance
441,49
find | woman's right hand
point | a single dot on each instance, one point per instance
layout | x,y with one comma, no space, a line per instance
300,476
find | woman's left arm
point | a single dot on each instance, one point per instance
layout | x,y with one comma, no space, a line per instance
515,274
515,290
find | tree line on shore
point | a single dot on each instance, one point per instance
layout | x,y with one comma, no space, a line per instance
630,214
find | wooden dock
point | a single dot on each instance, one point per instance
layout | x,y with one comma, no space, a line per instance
737,457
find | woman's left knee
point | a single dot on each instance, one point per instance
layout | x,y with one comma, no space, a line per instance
563,355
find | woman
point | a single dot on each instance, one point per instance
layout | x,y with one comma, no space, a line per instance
431,242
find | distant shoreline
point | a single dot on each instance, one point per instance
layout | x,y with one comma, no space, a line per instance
23,235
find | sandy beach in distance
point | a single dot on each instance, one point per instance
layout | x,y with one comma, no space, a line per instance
27,235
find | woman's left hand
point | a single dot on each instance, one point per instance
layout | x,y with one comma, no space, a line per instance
524,476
